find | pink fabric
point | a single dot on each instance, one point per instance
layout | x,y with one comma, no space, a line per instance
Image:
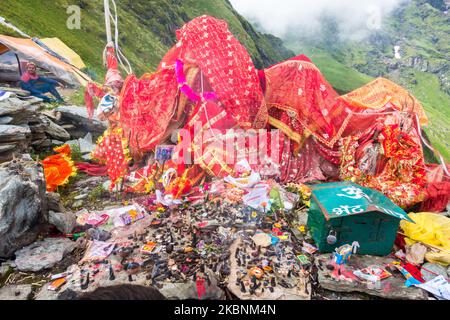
27,77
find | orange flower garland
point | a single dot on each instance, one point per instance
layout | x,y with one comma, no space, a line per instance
59,168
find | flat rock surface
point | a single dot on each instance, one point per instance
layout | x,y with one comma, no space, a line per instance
78,116
391,288
16,292
43,254
8,130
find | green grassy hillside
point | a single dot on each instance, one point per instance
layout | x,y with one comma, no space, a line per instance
147,28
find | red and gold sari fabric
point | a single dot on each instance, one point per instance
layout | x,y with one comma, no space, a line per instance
302,103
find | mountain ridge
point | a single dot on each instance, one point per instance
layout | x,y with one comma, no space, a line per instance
421,30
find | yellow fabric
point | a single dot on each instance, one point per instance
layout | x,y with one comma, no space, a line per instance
438,257
429,228
380,92
63,50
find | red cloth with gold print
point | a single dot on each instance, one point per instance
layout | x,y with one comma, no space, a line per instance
112,150
388,159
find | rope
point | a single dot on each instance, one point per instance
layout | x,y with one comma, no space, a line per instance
124,63
13,27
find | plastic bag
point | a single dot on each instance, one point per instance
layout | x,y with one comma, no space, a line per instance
415,253
429,228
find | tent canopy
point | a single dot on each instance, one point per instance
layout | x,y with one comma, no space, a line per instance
29,50
63,50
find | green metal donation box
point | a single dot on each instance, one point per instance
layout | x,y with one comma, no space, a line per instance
344,212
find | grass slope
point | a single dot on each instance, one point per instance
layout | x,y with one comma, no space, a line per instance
147,28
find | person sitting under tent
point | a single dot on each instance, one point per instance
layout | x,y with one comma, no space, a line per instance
38,86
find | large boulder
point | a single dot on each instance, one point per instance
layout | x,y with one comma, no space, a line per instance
23,205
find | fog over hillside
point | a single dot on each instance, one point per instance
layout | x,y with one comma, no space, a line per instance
355,19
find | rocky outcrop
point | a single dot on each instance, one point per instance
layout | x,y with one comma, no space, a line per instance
23,205
390,288
23,128
76,121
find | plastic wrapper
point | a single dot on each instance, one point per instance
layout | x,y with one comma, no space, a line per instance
415,253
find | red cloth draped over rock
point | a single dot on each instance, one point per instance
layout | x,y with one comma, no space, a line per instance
205,45
302,103
146,108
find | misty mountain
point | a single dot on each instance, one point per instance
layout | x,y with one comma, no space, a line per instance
412,49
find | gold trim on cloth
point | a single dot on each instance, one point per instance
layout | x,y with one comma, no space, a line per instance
286,129
376,94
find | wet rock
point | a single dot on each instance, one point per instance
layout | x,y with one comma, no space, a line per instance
23,205
391,288
16,292
64,222
44,254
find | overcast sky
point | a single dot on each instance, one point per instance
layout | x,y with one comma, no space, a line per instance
355,17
